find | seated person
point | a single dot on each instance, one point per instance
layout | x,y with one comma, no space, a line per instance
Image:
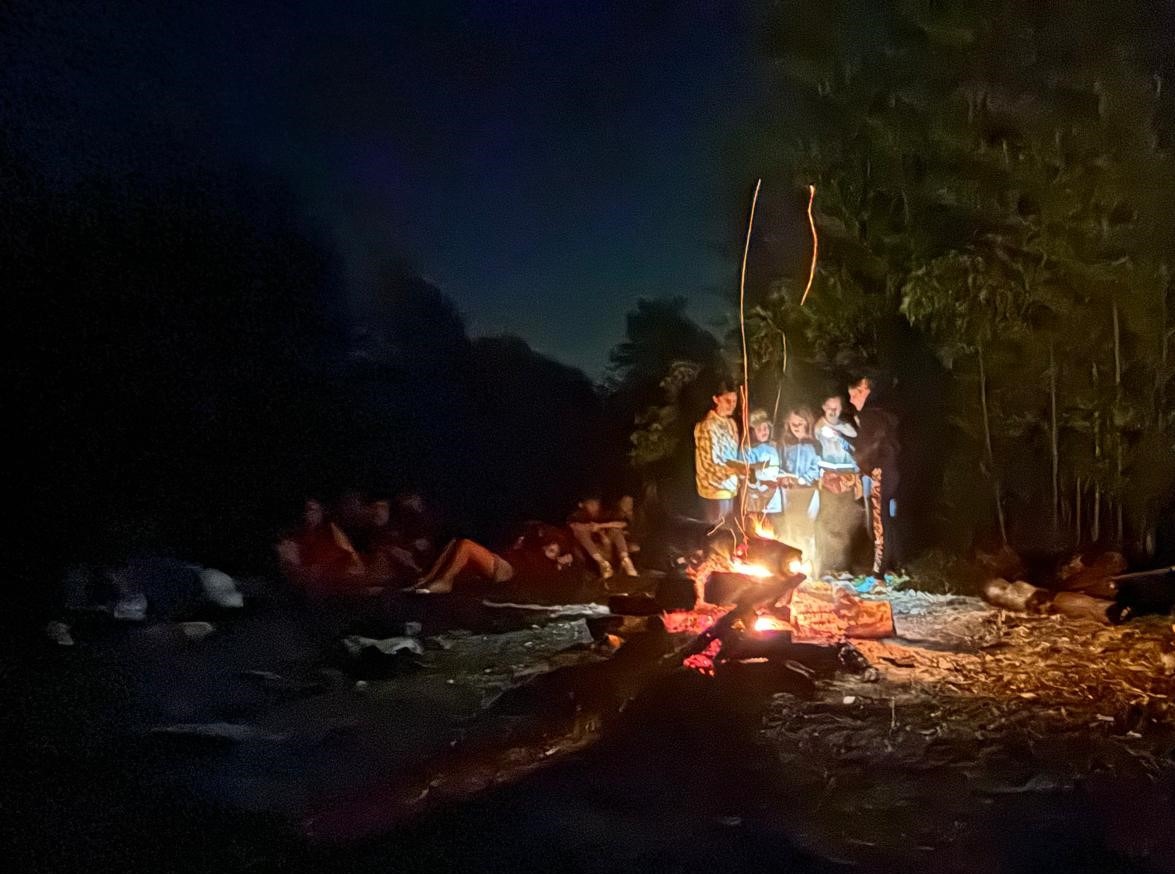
625,511
319,557
419,526
602,539
387,553
535,556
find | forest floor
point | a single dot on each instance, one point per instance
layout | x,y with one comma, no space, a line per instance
989,743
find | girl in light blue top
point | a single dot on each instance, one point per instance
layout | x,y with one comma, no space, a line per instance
801,473
763,495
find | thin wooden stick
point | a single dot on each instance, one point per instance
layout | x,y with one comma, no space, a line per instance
742,324
815,244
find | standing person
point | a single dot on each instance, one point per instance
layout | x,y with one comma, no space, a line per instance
876,453
801,473
716,455
764,496
836,436
840,488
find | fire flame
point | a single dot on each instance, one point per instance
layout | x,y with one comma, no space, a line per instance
750,570
767,622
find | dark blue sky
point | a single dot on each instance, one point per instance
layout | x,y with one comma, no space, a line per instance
545,163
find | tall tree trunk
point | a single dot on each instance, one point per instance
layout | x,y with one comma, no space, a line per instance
1054,443
1120,530
995,480
1096,530
1077,513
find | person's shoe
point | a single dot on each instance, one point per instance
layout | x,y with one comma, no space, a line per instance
628,567
606,572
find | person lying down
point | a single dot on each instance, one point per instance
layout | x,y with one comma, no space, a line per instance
538,555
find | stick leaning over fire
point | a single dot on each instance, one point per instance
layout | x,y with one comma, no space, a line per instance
757,594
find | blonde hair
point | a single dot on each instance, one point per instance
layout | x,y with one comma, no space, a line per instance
759,417
802,413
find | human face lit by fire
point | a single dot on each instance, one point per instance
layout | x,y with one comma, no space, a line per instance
832,409
551,551
762,432
725,403
797,427
858,394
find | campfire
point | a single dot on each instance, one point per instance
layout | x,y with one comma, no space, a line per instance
756,605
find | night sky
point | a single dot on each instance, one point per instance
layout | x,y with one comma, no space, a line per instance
545,163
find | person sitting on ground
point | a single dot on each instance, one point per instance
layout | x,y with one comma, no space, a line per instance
624,511
601,539
419,526
535,556
319,557
764,496
387,554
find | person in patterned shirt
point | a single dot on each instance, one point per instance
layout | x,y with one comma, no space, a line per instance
717,464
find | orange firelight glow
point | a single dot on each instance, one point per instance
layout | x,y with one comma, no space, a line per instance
767,622
749,570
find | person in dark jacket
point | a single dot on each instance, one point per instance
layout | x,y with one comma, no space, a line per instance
876,453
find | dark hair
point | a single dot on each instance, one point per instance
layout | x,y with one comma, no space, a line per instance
725,386
869,382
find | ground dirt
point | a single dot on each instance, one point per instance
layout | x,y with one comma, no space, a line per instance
989,743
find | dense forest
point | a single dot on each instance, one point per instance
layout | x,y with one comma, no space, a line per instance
994,185
994,190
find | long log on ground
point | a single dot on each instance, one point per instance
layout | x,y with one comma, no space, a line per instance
563,711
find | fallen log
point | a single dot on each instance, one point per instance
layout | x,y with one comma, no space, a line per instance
1019,596
565,709
1077,605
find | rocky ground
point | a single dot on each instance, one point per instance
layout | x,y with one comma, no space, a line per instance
988,742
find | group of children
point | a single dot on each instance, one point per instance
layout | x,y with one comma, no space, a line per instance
807,486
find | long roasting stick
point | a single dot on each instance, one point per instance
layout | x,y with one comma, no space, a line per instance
742,324
815,245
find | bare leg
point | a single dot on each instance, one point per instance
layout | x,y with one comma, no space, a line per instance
618,544
441,565
584,538
466,554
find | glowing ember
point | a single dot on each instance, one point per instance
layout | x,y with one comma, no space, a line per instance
703,662
691,621
767,622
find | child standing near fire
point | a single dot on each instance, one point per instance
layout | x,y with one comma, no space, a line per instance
800,475
764,496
